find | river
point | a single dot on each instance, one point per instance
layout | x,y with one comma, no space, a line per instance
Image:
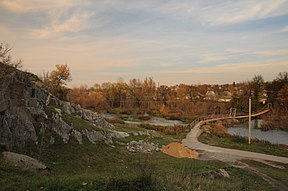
159,121
272,136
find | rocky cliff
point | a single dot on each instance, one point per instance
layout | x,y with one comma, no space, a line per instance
28,112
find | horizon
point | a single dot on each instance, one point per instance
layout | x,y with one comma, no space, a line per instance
199,42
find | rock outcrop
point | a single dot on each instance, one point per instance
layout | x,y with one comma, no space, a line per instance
28,111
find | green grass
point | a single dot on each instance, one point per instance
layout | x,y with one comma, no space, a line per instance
161,140
79,123
101,167
276,173
128,128
240,143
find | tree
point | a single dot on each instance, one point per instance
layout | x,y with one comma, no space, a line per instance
274,87
5,56
257,90
61,75
283,98
56,80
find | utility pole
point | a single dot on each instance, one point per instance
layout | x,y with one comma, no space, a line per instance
249,131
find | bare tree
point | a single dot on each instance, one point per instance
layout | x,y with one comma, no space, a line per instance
6,58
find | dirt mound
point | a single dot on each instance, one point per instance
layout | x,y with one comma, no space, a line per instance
179,151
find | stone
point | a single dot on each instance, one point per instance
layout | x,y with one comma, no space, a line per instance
23,161
119,134
93,135
141,146
61,128
220,173
224,173
78,136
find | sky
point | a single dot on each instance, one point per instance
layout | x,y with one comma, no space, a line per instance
172,41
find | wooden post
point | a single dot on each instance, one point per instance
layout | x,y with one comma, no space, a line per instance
249,131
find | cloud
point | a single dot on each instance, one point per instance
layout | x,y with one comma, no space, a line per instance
278,52
206,58
253,67
285,29
20,6
74,23
241,11
52,17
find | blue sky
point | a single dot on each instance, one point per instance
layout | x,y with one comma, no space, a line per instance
192,42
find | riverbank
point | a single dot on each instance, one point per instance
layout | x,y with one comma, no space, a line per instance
240,143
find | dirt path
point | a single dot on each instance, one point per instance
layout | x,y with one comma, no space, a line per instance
273,182
224,154
233,156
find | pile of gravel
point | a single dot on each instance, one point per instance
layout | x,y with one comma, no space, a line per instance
142,146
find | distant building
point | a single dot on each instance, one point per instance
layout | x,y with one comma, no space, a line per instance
210,95
225,96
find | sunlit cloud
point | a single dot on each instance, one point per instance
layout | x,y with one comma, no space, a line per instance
208,58
105,40
74,23
230,13
234,68
285,29
20,6
273,52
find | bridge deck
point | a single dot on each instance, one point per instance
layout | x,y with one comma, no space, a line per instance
241,116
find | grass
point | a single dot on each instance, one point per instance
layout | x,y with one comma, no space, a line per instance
276,173
79,123
128,128
236,142
101,167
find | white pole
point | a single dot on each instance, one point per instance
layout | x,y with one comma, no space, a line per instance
249,132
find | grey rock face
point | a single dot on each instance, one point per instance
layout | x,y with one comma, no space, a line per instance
61,128
94,136
78,136
26,108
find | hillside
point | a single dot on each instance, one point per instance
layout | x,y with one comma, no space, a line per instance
28,114
77,149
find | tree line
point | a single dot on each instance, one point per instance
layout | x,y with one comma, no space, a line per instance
144,96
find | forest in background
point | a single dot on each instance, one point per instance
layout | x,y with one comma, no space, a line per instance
144,96
173,102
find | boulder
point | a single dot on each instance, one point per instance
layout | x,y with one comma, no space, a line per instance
220,173
93,135
23,161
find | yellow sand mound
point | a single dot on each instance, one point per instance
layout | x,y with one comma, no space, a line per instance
179,151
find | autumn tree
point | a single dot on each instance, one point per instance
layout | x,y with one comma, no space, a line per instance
89,98
283,98
148,93
56,81
257,90
274,87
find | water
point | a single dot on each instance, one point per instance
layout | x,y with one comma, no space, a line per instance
157,121
152,121
273,136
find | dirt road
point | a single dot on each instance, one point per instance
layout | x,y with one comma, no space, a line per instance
224,154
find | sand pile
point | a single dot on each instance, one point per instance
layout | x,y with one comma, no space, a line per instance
179,151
